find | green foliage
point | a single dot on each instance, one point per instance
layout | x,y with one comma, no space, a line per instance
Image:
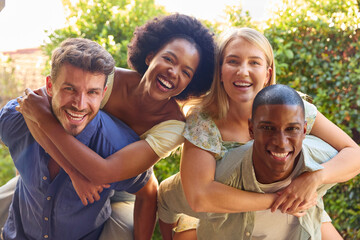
7,169
342,202
168,166
316,45
10,86
111,23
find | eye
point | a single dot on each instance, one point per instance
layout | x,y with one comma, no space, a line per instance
292,129
68,88
93,92
267,128
187,73
168,59
232,61
255,63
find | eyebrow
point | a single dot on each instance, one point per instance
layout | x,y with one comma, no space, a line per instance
173,54
236,56
91,89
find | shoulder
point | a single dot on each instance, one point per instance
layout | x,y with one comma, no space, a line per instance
125,76
310,115
202,131
12,123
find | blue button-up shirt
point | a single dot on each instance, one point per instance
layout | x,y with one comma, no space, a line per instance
42,208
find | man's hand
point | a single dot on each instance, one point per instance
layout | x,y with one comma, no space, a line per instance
299,196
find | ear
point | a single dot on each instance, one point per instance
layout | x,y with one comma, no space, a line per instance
268,76
49,85
148,58
105,89
251,128
305,127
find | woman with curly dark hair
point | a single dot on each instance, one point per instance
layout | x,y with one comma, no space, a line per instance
173,59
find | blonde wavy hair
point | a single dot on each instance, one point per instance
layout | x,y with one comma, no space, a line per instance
216,102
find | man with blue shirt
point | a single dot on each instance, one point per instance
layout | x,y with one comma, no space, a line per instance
45,204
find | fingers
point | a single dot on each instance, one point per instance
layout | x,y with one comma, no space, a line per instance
84,201
299,214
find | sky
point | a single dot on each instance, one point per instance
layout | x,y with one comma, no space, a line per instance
23,22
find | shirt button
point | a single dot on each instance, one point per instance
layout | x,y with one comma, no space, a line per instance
247,234
46,236
46,219
44,178
48,198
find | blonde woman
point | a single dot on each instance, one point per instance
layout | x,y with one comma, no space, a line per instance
245,65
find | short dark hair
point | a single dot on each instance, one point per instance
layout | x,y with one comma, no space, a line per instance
82,53
277,94
153,35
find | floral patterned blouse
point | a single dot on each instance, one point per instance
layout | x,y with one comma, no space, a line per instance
202,131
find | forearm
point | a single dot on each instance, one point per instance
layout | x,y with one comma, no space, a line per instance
220,198
50,148
125,163
204,194
344,166
145,211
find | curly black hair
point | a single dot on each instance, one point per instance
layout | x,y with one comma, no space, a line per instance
152,36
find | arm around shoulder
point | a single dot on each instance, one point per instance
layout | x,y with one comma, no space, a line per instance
346,164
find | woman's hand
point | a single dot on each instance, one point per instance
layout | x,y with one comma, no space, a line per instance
35,105
87,191
299,196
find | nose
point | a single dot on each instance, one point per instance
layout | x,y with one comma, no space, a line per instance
79,101
280,139
174,71
243,70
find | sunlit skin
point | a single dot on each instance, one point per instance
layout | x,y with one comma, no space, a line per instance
278,131
170,69
244,71
75,97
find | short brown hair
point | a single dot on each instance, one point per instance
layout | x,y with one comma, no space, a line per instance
82,53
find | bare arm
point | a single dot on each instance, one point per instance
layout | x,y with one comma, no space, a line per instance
145,210
126,163
86,191
346,164
204,194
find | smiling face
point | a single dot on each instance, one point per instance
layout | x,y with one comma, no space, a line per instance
244,71
278,132
171,69
75,97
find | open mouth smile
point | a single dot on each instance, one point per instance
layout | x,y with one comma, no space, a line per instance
75,116
165,83
242,84
280,156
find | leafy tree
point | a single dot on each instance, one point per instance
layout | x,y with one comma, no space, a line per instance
317,52
111,23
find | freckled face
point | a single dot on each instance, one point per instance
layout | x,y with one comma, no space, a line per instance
244,71
171,69
75,97
278,132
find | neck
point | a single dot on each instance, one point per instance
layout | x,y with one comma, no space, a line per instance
144,102
234,127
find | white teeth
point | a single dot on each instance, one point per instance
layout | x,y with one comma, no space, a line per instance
279,155
75,116
242,84
165,83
